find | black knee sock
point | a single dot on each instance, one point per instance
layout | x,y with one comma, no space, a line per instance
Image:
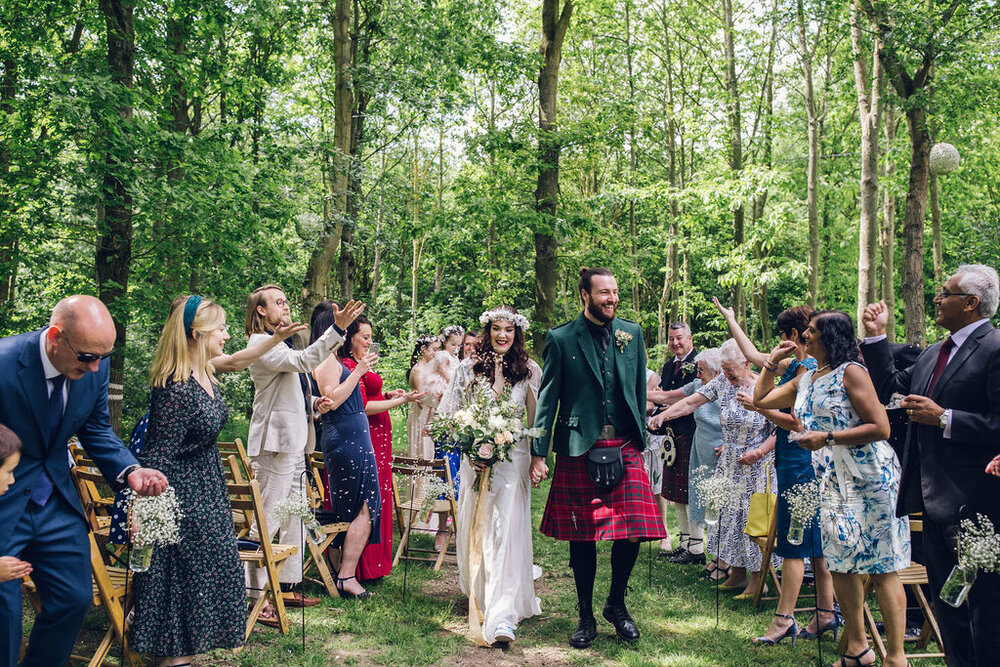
583,562
623,556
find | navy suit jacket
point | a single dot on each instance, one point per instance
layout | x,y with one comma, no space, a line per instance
24,402
942,476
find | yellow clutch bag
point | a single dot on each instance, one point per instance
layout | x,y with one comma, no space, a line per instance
762,507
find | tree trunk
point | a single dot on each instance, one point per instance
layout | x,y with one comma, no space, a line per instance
735,142
554,27
913,227
869,115
888,232
113,257
812,172
316,285
936,231
9,232
377,261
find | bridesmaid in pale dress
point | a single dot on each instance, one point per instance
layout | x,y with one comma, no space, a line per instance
419,377
444,365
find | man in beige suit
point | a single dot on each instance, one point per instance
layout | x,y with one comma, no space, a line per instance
281,432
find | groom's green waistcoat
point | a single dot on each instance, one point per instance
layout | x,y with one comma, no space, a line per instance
583,389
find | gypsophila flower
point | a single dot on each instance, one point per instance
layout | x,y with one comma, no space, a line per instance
718,490
803,502
978,545
622,339
153,520
296,506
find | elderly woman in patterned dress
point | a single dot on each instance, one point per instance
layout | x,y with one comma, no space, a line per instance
747,446
845,428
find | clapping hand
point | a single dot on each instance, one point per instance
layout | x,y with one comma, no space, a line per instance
147,482
993,467
283,331
875,318
13,568
343,317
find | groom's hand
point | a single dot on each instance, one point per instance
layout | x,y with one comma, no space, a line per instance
539,470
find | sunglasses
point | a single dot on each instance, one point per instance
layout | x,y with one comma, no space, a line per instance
85,357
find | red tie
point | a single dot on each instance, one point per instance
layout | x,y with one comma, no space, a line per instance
677,366
942,361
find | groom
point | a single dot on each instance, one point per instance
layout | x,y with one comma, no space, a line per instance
593,395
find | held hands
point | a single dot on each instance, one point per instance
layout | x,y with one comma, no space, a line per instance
13,568
992,468
922,410
323,405
539,470
147,482
344,316
728,313
875,318
283,331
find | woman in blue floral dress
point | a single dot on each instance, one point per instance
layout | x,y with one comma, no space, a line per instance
845,428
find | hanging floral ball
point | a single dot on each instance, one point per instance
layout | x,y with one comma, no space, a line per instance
944,159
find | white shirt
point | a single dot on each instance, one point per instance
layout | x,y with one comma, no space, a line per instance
50,371
958,338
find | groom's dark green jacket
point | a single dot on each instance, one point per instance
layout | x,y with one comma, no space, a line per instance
570,400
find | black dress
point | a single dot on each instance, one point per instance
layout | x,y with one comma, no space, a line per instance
192,599
350,462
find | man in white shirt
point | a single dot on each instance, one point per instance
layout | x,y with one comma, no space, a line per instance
281,433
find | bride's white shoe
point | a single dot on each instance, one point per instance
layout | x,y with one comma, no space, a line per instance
504,634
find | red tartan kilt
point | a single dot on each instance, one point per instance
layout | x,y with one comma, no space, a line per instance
675,477
578,511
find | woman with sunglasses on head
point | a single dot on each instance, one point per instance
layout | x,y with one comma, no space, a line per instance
192,598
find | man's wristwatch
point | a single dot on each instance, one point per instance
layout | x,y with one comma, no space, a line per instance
829,438
944,418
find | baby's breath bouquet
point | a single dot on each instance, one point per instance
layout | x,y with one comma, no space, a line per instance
297,506
978,549
803,504
426,488
152,521
717,490
485,429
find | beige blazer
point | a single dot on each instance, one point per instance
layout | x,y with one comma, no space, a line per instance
279,422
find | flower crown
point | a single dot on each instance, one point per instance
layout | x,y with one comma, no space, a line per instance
504,313
427,340
453,330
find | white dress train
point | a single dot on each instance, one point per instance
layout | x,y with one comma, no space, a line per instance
505,587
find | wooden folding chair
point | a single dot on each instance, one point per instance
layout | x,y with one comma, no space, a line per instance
409,510
236,448
92,487
766,545
109,586
315,558
245,497
912,577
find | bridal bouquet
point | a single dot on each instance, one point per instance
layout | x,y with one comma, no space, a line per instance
485,429
978,549
153,520
803,503
297,506
718,490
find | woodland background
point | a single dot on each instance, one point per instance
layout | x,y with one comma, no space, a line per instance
412,153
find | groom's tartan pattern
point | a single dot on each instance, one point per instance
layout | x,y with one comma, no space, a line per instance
578,511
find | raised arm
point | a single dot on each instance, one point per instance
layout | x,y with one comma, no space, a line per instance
679,409
749,350
230,363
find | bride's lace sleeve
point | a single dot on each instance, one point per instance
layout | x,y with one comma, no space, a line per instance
451,401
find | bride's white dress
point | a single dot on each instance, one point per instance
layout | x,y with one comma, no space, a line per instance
505,586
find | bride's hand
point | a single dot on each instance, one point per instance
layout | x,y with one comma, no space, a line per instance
539,470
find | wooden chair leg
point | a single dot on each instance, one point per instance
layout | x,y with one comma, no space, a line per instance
254,614
931,627
317,558
277,600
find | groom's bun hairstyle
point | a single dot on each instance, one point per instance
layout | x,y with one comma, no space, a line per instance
587,275
9,443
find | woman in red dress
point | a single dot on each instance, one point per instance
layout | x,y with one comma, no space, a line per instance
376,559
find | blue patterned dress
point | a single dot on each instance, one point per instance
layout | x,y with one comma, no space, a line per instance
793,464
858,485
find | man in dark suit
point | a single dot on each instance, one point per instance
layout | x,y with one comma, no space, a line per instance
677,371
953,404
55,386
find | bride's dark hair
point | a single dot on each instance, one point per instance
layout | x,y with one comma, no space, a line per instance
515,361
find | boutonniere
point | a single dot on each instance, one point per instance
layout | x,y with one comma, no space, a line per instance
688,367
622,339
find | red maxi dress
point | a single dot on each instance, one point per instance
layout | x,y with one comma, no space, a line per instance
376,559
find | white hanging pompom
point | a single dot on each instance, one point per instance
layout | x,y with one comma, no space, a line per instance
944,159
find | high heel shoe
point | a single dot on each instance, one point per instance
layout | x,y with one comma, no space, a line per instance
834,625
709,575
347,595
792,631
855,659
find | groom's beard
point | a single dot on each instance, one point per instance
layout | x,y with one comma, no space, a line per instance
598,314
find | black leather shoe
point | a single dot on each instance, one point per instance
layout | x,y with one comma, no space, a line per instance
586,633
688,558
618,615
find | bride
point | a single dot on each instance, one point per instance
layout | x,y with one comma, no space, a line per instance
498,577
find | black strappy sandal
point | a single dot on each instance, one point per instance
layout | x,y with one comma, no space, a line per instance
855,659
347,595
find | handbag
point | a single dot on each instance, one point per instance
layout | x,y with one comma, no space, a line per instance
605,466
762,507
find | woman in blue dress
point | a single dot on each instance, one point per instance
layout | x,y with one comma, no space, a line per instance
845,427
348,456
793,466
